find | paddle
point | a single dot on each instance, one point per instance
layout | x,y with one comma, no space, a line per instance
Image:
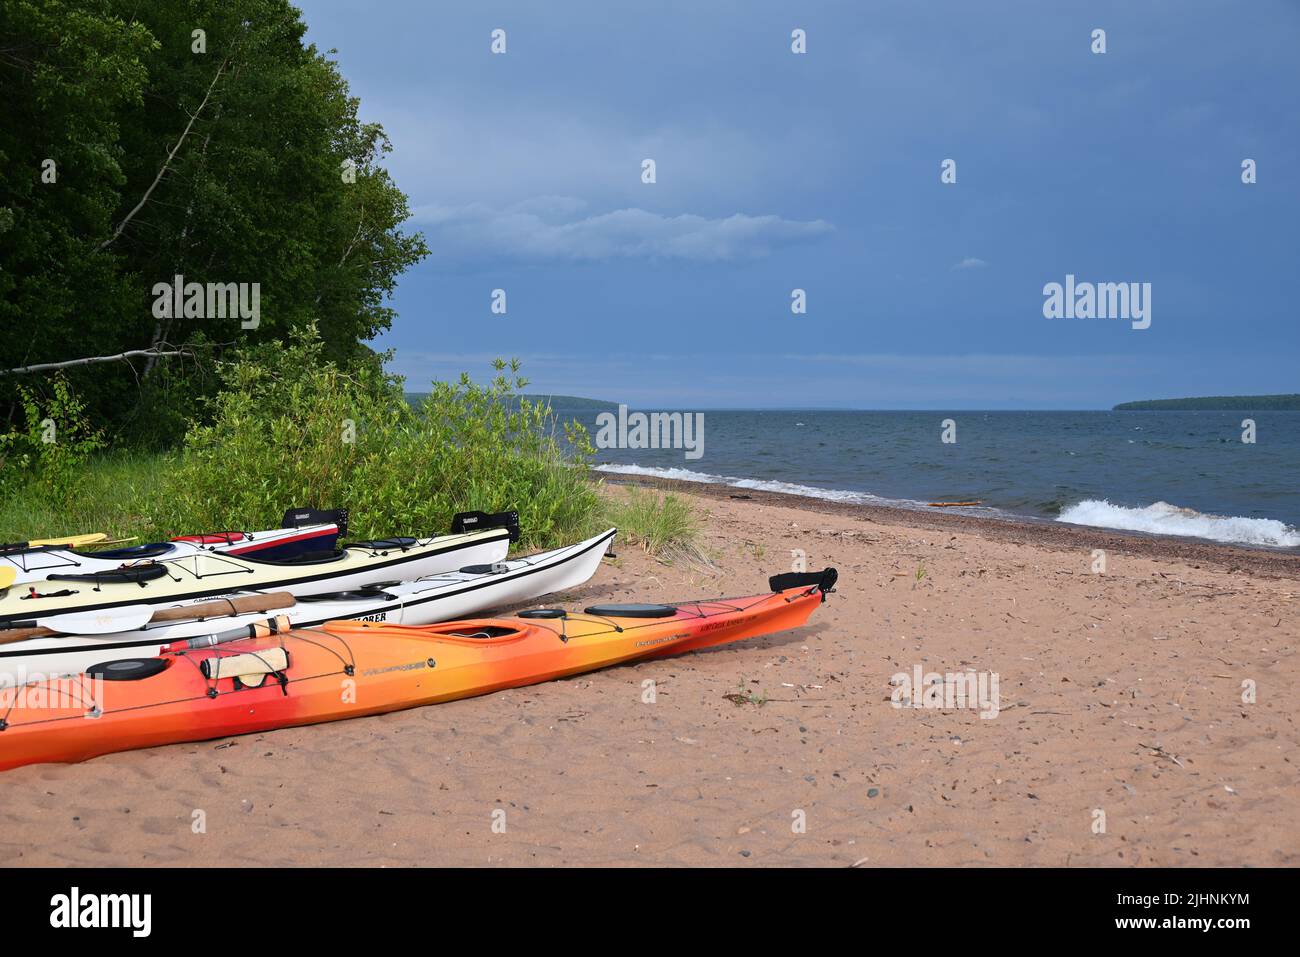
98,539
104,621
258,629
227,606
131,617
7,576
70,541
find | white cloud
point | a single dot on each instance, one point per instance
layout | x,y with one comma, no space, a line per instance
548,229
970,262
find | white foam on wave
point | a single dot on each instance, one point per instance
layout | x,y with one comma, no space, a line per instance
761,485
1165,519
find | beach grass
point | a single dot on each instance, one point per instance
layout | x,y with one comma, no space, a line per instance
666,527
112,497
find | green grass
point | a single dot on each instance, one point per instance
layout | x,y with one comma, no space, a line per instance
666,527
113,499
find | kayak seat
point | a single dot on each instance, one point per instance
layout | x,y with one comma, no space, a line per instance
478,521
298,517
824,579
632,610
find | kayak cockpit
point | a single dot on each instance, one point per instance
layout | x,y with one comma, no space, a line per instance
481,631
132,553
476,630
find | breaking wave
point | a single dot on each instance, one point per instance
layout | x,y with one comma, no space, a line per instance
761,485
1165,519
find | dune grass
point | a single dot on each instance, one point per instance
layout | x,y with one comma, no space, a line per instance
665,526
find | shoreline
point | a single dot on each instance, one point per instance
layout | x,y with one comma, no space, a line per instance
1059,536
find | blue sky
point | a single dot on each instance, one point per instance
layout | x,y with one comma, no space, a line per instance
821,171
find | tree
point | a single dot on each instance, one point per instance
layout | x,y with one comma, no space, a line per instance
67,72
211,143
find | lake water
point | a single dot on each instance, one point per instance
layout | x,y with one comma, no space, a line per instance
1180,473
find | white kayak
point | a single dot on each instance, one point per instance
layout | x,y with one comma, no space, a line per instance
432,598
203,574
305,531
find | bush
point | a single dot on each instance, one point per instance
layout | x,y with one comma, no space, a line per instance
46,460
292,429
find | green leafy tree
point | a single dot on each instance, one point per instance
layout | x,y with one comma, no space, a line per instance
201,138
68,71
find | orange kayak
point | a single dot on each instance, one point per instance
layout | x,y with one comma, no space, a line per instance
279,678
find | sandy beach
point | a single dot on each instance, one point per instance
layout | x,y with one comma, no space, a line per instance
1121,703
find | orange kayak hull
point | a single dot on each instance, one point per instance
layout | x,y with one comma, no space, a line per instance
347,669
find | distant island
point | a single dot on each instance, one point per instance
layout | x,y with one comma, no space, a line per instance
571,403
1217,403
